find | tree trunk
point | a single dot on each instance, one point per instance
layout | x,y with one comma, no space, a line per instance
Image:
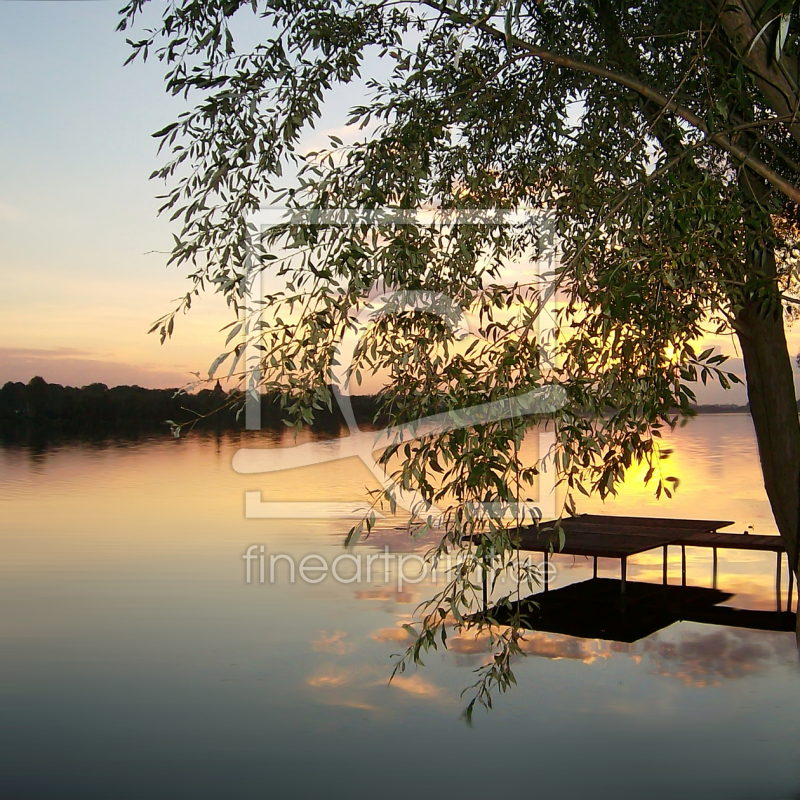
773,407
768,368
770,390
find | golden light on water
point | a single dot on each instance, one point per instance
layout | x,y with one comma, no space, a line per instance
123,566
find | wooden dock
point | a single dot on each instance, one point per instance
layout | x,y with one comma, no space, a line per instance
626,611
600,536
685,532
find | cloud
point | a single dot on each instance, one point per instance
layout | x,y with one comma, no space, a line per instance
469,643
331,643
566,647
473,648
391,635
356,704
702,659
349,688
54,353
694,657
328,678
417,686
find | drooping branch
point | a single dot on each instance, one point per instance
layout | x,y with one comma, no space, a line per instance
741,154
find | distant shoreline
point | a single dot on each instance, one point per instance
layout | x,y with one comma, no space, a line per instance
723,409
98,410
53,411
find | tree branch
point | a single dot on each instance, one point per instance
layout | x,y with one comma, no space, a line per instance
741,154
773,79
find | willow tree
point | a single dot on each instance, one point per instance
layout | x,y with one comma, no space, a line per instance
661,139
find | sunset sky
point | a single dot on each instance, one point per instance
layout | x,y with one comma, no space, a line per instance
79,281
82,253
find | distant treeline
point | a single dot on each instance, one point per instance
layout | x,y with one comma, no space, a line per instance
131,408
725,409
96,408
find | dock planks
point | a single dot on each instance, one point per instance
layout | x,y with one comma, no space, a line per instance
594,543
734,541
617,537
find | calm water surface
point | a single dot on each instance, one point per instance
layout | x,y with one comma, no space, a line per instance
137,662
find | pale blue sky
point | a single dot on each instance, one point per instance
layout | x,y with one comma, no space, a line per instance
79,285
77,212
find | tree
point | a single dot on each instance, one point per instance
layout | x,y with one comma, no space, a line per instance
662,140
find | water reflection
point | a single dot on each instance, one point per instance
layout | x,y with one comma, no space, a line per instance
136,662
689,653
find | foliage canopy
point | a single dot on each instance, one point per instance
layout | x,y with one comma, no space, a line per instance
660,138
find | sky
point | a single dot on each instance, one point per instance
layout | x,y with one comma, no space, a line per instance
82,264
82,251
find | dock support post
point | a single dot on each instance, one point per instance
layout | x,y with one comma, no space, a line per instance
546,570
623,574
714,568
594,572
485,590
791,586
664,565
778,580
683,565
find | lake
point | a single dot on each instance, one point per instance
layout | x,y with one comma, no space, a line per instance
138,662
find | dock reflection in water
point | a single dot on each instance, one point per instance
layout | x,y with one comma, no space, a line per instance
136,662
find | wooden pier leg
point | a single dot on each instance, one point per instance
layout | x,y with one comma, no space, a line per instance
791,586
778,581
714,569
664,566
546,570
623,574
683,565
485,589
594,573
